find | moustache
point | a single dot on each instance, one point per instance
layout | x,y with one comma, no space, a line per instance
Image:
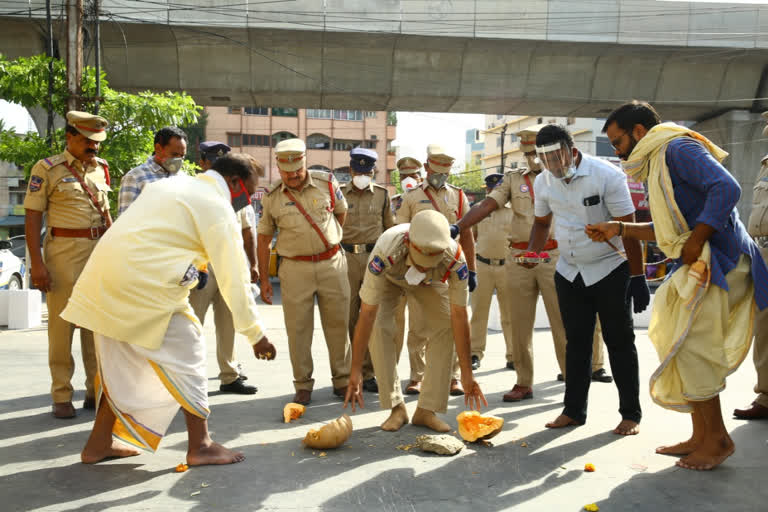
91,150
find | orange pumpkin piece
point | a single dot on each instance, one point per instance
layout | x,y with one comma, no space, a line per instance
474,427
293,411
331,435
181,468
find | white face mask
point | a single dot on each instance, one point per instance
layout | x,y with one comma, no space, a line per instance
437,180
409,183
361,181
414,276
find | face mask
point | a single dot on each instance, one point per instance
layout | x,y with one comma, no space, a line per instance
361,181
414,276
437,180
241,199
534,163
409,183
172,165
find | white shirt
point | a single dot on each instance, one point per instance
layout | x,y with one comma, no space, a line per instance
598,192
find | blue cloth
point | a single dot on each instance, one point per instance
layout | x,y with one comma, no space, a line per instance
706,193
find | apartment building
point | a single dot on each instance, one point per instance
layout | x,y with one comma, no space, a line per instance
12,192
329,135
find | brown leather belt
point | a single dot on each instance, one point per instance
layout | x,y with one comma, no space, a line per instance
92,233
490,261
316,257
358,248
551,244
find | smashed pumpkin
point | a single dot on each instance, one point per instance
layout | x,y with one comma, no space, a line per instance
293,411
331,435
474,427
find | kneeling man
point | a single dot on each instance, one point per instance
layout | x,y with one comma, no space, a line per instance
133,294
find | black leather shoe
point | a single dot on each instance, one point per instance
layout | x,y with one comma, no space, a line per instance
510,365
371,385
475,362
89,403
560,377
238,387
601,376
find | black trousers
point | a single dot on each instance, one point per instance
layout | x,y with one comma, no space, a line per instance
578,306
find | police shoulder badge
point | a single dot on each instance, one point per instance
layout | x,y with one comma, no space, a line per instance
35,182
462,272
376,266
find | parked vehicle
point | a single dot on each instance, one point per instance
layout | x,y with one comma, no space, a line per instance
12,269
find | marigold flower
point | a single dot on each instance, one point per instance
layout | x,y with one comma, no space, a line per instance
589,468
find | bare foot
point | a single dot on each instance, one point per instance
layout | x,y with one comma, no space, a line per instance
683,448
627,428
708,455
397,418
93,455
563,421
213,453
430,420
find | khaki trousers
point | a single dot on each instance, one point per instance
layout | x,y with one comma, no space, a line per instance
417,344
435,328
65,259
301,282
760,350
490,278
200,300
356,267
527,285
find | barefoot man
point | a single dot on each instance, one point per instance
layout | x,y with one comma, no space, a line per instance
133,294
701,324
421,260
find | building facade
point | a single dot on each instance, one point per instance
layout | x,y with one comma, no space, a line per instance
329,135
13,187
474,148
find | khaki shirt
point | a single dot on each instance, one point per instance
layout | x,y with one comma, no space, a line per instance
451,202
54,189
322,199
368,215
758,218
389,262
518,192
493,233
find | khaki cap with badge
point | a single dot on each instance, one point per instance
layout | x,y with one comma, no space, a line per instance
438,159
429,236
527,138
408,165
90,126
290,155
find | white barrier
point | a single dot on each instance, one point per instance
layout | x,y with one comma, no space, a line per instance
24,309
4,296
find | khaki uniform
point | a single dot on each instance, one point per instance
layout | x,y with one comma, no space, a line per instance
302,281
200,300
369,214
53,189
758,228
517,189
383,286
453,204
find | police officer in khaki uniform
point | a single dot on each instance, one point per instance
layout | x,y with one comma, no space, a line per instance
369,214
436,194
421,260
308,210
72,189
410,177
758,228
492,274
517,189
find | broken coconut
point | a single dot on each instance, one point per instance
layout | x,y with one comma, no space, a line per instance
293,411
440,444
474,427
331,435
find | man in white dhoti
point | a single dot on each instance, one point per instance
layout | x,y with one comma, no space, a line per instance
133,294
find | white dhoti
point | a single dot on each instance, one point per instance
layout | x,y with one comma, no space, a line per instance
144,388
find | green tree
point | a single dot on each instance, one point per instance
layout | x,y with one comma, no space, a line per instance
471,179
133,118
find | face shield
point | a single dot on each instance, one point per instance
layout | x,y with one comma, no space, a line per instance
557,158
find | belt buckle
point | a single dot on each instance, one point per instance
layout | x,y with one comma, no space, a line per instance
496,262
94,233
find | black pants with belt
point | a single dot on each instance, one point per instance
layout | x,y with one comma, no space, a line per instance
578,306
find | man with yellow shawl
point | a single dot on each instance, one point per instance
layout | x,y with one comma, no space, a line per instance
702,314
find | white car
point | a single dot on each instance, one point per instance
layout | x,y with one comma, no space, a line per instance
11,268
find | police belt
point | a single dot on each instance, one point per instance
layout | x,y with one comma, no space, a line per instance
490,261
357,248
523,246
91,233
315,257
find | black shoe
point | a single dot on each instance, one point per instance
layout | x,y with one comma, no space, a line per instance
89,403
601,376
371,385
237,387
560,377
475,362
510,365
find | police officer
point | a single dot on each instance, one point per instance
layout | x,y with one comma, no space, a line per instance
517,189
758,228
436,194
72,189
409,170
232,381
492,268
423,261
369,214
307,209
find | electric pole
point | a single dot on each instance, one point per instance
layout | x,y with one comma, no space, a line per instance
74,52
503,136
